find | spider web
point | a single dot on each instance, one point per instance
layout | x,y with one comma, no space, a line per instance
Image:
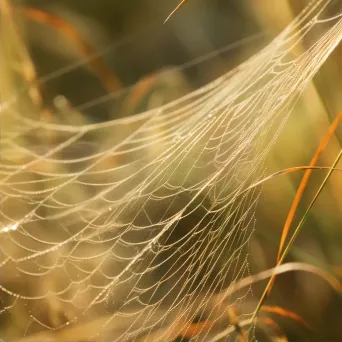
138,223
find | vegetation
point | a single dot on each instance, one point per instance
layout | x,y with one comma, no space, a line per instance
72,64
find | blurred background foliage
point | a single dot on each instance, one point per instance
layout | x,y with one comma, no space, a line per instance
135,46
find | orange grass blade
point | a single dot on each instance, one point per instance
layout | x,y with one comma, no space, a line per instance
304,183
194,329
180,330
138,92
296,232
286,313
109,80
321,147
175,10
280,337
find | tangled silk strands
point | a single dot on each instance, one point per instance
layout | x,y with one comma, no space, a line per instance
141,220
